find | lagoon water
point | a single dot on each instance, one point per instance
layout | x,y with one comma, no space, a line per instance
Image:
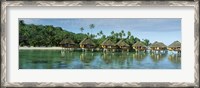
55,59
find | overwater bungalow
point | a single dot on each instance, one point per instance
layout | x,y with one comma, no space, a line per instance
108,45
87,44
175,46
67,44
158,46
139,46
123,45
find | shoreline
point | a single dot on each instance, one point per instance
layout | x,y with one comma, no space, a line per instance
49,48
77,49
40,48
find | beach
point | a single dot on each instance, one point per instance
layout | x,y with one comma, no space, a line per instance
50,48
40,48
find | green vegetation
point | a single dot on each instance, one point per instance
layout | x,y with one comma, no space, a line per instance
48,35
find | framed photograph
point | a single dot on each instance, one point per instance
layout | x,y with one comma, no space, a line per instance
100,44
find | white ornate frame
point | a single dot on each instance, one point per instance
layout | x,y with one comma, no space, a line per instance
5,4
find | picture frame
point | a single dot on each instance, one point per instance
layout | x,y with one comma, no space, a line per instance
4,45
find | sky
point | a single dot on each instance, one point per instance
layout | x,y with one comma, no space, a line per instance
166,30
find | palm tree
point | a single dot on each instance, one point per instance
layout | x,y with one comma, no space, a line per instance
112,33
116,35
136,39
132,39
101,32
120,35
122,31
98,34
129,34
81,29
88,34
91,27
146,42
104,36
21,22
124,34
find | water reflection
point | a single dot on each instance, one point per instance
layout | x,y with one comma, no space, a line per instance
107,57
121,58
86,57
175,58
156,57
140,56
97,60
65,59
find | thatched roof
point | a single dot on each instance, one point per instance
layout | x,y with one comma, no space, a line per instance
175,44
108,42
122,43
138,44
87,41
67,41
158,44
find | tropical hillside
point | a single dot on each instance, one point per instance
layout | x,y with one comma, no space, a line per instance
48,35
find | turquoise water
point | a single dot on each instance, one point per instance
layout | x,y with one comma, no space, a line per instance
55,59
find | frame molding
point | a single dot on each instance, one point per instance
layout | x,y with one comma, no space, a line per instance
5,4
